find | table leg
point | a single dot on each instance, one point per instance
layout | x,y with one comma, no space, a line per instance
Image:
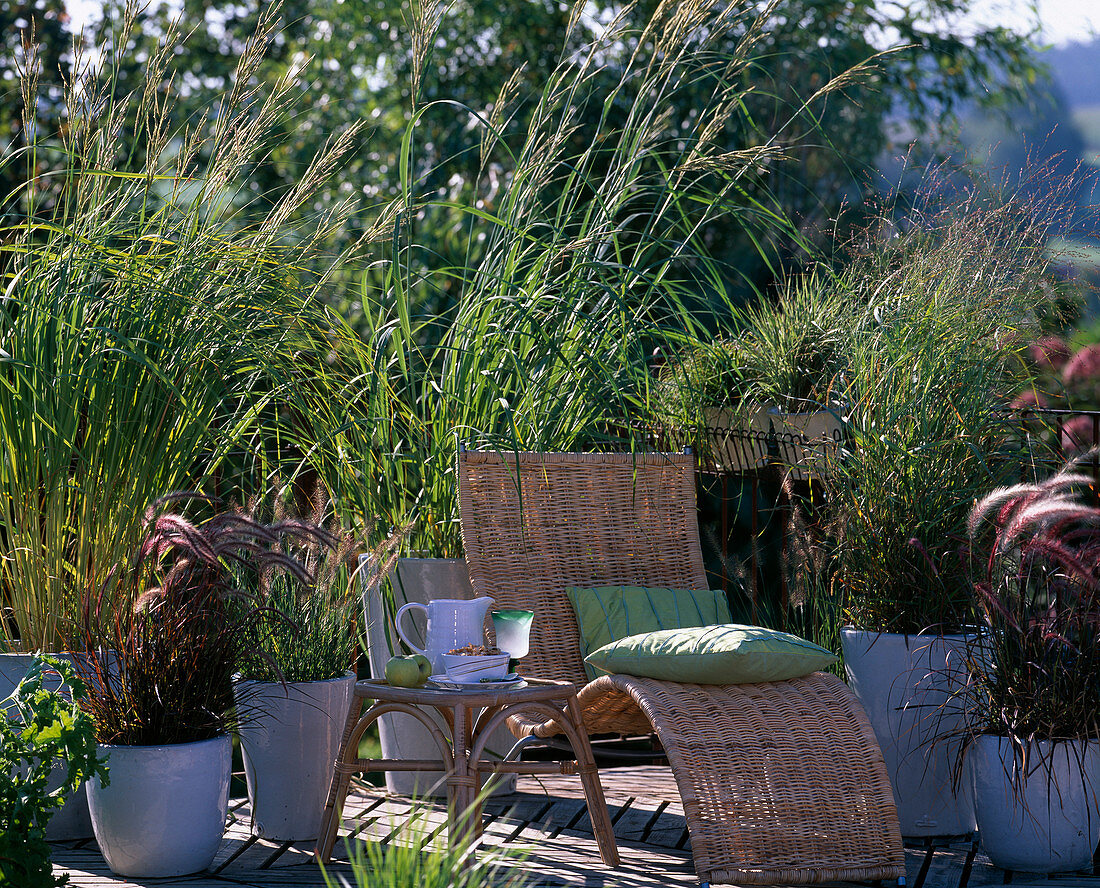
349,763
461,785
593,789
338,788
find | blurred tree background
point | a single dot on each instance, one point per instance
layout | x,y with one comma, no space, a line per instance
353,60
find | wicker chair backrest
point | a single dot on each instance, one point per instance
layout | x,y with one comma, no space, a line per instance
534,524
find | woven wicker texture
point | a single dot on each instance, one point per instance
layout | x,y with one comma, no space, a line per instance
781,782
575,520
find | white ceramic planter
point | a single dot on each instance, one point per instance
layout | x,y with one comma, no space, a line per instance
737,438
163,813
401,736
71,821
1045,821
290,738
803,438
905,683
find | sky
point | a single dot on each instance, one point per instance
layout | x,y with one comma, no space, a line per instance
1070,19
1063,20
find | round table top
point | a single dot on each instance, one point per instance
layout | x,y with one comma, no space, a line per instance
534,689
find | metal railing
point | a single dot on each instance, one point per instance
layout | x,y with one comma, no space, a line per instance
768,470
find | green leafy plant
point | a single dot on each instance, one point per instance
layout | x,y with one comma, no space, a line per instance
42,728
180,623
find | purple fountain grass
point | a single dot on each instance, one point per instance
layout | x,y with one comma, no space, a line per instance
161,667
1036,670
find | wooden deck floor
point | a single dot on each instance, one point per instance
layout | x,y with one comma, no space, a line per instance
547,819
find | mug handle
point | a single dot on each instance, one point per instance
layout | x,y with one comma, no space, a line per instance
401,632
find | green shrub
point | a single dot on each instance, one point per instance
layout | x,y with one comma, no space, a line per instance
41,728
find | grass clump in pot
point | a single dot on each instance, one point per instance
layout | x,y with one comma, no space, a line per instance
951,299
1035,668
308,627
162,671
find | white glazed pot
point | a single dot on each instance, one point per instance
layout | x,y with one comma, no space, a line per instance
71,821
737,437
163,813
803,439
1042,820
290,738
905,683
401,736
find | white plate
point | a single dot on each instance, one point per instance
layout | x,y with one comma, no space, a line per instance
509,682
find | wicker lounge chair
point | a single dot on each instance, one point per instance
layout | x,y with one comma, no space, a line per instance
782,782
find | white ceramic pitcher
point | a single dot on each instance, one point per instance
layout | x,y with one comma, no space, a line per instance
452,623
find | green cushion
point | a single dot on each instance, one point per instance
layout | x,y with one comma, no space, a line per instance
730,654
610,612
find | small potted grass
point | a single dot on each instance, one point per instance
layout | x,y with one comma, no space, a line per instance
704,389
795,354
1032,738
297,677
163,703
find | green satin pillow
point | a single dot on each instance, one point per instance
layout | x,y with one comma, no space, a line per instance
729,654
610,612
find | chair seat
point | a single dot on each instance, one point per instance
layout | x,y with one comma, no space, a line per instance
781,781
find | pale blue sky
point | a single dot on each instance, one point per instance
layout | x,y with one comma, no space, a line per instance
1063,20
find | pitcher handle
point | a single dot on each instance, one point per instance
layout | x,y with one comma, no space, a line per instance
401,632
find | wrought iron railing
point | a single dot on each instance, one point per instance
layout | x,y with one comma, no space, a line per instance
767,470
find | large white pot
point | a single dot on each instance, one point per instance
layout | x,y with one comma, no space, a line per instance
906,685
163,813
1041,819
290,738
804,439
737,437
71,821
403,737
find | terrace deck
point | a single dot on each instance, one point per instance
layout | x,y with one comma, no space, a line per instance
547,819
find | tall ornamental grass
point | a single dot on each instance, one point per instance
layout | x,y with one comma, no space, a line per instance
1035,670
148,341
584,261
953,297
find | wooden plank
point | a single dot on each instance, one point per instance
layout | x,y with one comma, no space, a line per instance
1079,880
951,867
547,820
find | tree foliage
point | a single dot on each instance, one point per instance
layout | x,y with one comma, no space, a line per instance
378,62
31,30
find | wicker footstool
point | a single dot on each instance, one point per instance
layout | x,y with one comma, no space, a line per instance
470,716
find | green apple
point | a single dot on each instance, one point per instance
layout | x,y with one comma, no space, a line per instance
425,667
403,672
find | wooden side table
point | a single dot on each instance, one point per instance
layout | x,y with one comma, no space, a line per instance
461,754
